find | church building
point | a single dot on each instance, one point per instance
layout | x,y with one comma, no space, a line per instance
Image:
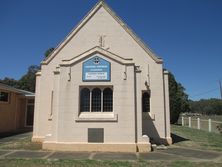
102,89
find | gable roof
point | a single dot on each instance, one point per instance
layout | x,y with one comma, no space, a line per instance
87,18
20,91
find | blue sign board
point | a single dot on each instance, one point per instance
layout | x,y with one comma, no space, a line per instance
96,69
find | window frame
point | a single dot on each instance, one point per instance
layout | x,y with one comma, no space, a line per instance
102,88
8,99
149,96
80,100
96,100
109,104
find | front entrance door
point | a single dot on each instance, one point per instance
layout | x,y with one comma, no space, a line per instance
30,112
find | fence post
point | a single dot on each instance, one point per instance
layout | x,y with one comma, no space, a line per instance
198,123
190,122
209,123
182,121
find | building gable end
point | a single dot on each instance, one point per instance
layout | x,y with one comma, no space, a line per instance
92,12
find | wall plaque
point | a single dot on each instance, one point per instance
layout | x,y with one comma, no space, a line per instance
96,69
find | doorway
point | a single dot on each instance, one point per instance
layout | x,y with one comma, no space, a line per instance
29,112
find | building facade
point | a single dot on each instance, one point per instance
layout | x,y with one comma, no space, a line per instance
102,89
16,109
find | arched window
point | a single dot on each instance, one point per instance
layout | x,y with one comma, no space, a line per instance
146,102
107,100
85,100
96,100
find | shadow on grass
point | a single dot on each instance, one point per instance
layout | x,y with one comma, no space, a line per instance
13,133
177,139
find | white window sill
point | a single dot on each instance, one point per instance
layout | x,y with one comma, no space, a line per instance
97,117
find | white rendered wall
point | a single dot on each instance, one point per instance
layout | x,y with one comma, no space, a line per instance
119,42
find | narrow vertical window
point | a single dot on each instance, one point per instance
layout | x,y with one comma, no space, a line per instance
85,100
96,100
107,100
146,102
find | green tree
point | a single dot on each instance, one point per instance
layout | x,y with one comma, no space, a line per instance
49,51
27,82
207,106
10,82
178,99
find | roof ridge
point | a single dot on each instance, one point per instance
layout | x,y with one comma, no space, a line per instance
131,32
99,3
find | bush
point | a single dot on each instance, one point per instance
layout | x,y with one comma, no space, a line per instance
219,128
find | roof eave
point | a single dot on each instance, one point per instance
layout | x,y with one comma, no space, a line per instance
12,89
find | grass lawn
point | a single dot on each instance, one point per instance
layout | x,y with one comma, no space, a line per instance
20,144
188,137
183,136
94,163
194,138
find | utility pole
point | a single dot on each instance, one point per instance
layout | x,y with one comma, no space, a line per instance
220,89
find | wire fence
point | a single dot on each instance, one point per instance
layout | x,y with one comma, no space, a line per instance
202,124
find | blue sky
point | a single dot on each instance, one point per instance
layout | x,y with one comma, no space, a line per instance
187,34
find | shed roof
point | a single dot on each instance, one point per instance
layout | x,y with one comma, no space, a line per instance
20,91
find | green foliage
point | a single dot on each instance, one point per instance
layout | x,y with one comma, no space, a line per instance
207,106
49,51
10,82
27,81
219,128
178,99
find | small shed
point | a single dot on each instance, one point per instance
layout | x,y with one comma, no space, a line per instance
16,109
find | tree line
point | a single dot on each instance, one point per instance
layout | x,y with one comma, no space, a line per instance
26,82
206,106
179,102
